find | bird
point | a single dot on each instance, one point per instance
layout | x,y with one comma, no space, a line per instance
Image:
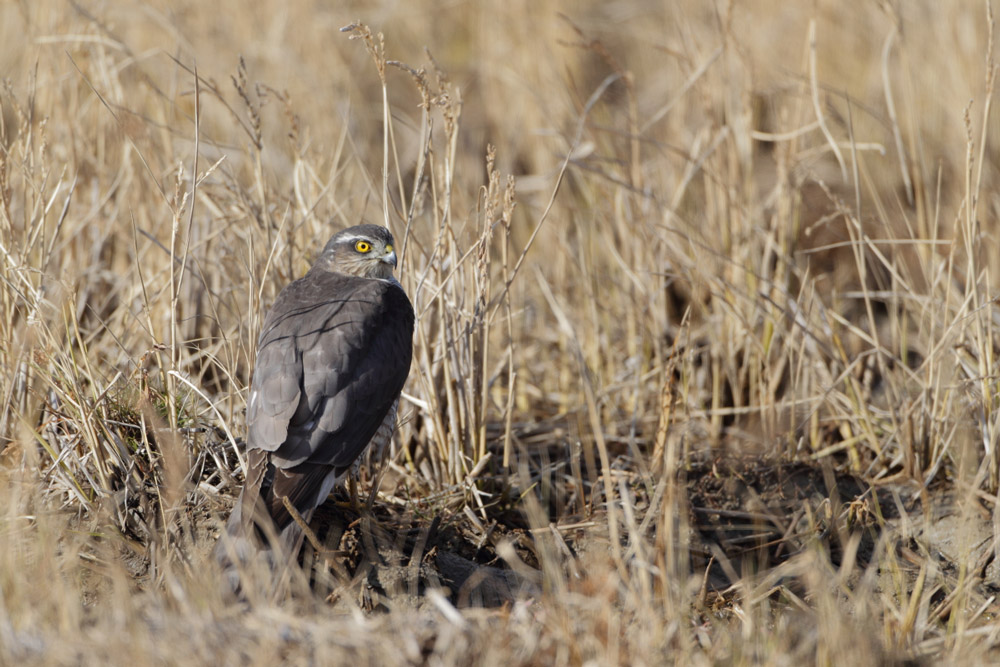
332,357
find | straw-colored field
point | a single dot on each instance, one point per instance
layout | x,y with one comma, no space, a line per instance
705,368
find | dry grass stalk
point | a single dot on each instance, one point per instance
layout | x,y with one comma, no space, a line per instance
711,380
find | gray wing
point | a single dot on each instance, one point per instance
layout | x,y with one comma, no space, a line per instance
332,358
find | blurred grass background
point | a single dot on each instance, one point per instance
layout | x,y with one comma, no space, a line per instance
751,231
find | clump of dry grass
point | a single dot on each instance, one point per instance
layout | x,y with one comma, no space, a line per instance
705,345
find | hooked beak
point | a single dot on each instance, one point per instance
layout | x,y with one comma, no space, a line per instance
390,258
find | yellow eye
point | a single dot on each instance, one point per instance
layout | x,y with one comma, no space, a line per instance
362,246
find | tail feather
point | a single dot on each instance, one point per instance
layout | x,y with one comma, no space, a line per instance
251,535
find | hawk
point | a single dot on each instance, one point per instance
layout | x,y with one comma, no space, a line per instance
332,358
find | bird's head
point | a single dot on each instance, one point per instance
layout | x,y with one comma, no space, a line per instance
366,251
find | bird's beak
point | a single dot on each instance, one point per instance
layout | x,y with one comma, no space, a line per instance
390,258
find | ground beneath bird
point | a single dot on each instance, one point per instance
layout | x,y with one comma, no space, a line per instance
743,516
389,557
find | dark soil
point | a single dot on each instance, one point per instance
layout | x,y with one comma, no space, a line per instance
744,516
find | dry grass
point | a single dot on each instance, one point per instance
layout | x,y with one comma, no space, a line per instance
706,349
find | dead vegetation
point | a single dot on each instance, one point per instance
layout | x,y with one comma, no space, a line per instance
705,364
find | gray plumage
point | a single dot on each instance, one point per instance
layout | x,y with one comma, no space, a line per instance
332,357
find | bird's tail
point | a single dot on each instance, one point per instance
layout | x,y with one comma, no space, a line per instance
251,540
